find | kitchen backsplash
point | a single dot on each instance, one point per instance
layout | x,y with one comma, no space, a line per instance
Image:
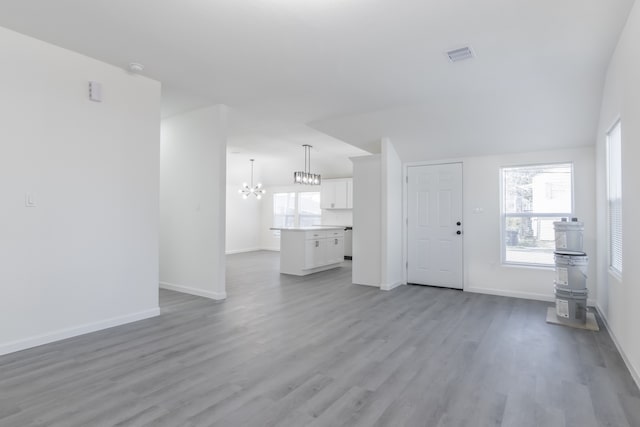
337,217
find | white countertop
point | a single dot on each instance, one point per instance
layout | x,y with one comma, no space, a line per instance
315,228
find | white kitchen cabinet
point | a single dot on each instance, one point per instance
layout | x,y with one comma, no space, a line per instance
315,253
331,194
334,249
309,250
336,194
340,192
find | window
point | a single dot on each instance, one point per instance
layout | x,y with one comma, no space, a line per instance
296,209
284,209
533,197
309,212
614,196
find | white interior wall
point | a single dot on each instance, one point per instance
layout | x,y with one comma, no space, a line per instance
86,258
377,214
618,298
391,220
243,222
192,202
367,217
483,269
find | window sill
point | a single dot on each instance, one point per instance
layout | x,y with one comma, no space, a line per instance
529,266
615,274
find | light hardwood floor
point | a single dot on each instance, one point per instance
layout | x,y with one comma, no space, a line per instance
319,351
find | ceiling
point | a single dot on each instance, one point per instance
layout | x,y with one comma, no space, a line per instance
359,70
277,150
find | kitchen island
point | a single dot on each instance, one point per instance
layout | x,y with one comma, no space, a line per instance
307,250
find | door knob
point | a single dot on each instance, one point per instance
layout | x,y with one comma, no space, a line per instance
458,223
458,232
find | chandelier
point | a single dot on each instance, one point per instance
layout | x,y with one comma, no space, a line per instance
306,177
256,190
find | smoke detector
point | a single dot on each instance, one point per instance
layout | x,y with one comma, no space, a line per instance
460,54
136,67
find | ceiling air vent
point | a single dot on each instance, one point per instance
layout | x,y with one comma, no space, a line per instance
461,54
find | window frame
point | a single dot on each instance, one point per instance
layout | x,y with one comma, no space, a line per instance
613,270
504,215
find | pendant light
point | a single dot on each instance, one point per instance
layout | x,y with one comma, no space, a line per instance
306,177
256,190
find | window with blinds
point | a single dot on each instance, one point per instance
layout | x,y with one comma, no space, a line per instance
296,209
614,196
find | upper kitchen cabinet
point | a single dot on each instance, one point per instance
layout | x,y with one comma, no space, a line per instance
336,194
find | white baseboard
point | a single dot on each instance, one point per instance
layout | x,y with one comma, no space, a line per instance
512,294
193,291
635,373
274,249
367,284
388,287
241,251
517,294
62,334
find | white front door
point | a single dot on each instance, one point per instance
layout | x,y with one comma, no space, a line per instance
435,225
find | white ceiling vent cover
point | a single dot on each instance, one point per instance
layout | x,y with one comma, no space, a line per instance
460,54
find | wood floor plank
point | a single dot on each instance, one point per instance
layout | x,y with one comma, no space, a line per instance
320,351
